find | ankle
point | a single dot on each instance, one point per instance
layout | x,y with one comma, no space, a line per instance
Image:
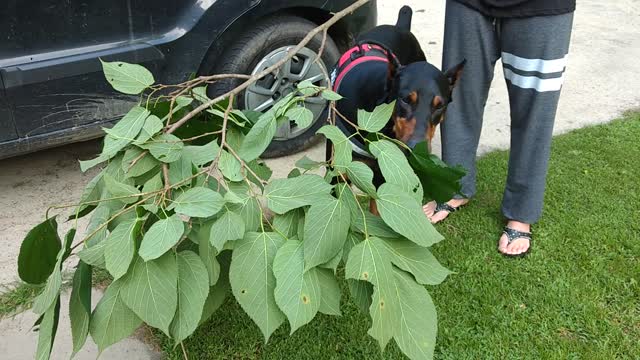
519,226
457,202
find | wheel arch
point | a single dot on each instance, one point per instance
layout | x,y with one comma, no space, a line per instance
339,32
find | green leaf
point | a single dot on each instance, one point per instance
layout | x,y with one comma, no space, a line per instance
94,255
284,195
150,290
200,94
161,237
261,169
114,168
343,153
294,173
230,167
126,193
331,96
297,292
361,293
143,163
376,120
217,294
325,231
233,198
287,224
80,306
375,226
302,116
124,131
152,126
417,260
307,164
126,78
440,182
180,103
88,164
92,192
51,290
38,252
180,170
333,263
198,202
48,329
202,155
193,288
307,88
330,290
395,168
112,320
254,289
249,209
165,147
346,195
417,318
362,177
405,216
368,261
49,294
227,227
258,138
208,254
121,247
100,215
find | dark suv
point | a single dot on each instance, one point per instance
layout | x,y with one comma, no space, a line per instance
52,90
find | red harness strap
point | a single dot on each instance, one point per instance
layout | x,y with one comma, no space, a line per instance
355,56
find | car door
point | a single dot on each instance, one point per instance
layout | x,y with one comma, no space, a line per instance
49,60
7,127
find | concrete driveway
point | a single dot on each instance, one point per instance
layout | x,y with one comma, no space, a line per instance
602,80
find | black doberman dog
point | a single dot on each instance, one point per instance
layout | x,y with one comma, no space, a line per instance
388,64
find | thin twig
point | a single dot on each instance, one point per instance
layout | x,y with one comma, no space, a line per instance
167,184
184,351
138,158
244,164
322,45
201,136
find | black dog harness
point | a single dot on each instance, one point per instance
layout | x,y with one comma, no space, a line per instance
359,54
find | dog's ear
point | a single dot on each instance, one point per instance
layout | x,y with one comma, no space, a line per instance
404,18
454,74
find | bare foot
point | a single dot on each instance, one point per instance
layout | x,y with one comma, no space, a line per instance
518,246
435,217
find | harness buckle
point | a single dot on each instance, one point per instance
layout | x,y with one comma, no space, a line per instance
358,53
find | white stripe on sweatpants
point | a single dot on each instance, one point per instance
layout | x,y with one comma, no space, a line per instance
534,82
536,65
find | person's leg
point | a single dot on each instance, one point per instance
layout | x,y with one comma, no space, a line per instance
534,56
467,35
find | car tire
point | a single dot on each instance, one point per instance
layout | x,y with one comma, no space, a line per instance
250,50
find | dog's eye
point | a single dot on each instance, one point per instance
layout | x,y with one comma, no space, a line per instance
406,100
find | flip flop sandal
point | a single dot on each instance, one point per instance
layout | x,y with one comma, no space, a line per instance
446,207
513,235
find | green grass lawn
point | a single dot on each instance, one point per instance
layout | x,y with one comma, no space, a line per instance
576,296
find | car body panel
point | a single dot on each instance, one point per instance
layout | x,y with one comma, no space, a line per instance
7,127
50,59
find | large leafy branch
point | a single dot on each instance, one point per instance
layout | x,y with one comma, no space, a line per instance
183,210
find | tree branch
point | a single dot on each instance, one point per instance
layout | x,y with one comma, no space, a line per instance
292,52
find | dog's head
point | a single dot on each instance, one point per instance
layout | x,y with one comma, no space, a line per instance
422,94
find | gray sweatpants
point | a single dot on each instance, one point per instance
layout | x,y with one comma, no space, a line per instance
534,53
